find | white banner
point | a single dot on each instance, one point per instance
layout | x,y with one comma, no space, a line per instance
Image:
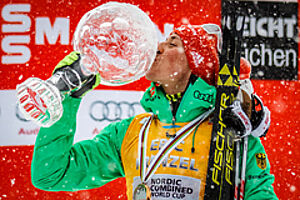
97,110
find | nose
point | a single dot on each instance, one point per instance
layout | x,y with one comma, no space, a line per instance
160,48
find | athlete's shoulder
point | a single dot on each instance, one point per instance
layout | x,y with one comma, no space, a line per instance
137,122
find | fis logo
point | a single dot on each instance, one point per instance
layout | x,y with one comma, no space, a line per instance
226,78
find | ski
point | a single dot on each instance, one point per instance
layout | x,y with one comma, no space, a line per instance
222,181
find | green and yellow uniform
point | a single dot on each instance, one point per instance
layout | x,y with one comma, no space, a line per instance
60,165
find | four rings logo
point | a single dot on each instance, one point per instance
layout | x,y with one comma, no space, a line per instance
113,111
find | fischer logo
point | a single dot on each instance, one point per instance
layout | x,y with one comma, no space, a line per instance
17,27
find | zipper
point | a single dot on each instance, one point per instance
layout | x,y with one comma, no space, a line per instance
181,102
174,117
173,121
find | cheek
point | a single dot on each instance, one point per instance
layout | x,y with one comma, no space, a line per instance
177,58
177,55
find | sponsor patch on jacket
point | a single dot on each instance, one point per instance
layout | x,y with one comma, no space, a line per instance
203,97
261,160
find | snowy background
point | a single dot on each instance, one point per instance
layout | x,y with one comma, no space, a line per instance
35,35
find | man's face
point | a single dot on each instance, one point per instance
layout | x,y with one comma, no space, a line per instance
170,64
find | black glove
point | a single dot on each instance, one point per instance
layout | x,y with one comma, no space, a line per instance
258,125
69,72
236,118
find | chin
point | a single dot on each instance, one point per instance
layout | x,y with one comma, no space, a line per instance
150,75
152,78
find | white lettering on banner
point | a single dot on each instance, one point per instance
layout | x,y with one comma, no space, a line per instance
21,22
16,20
275,57
9,45
170,187
43,27
270,27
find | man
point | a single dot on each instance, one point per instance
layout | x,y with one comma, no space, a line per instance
164,151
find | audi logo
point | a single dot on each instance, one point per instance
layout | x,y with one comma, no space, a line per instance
113,111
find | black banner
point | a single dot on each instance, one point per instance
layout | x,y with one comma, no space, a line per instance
270,39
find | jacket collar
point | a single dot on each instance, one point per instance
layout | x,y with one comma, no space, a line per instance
198,98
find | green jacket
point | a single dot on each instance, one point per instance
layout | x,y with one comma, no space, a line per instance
60,165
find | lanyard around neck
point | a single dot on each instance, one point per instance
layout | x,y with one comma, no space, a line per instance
167,148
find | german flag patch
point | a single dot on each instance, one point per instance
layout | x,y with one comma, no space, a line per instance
261,160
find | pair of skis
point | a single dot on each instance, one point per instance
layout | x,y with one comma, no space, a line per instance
224,179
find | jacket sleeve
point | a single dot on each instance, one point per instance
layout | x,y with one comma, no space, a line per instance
60,165
258,178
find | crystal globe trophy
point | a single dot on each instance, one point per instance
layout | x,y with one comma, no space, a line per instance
116,40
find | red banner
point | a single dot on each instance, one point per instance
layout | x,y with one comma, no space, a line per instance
36,35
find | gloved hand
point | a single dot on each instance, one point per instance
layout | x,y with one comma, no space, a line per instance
257,125
72,62
247,114
260,117
236,118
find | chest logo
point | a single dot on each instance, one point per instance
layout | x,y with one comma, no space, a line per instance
203,97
